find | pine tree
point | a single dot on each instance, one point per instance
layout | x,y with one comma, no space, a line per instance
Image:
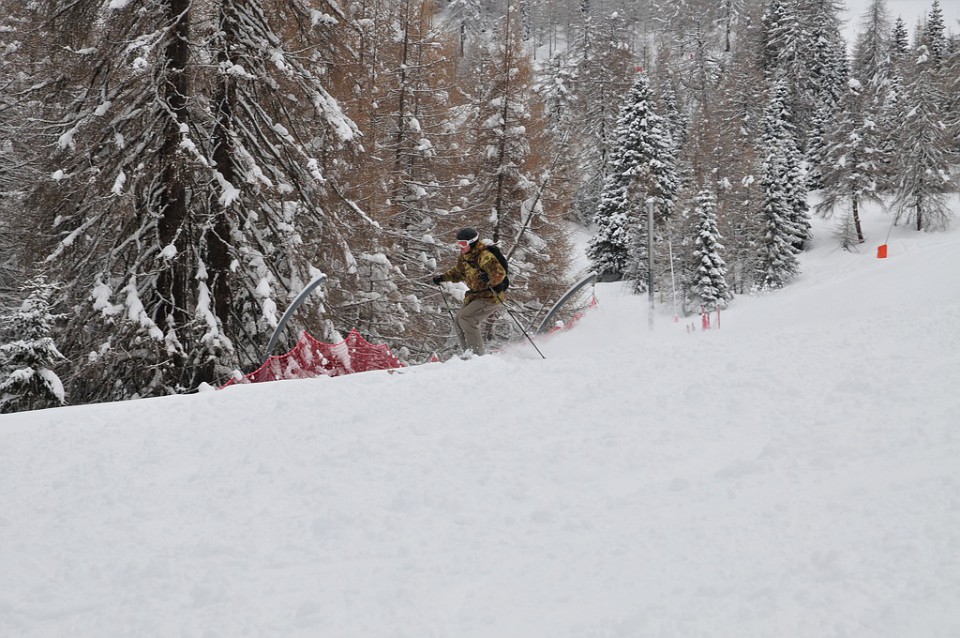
780,134
852,167
710,281
643,165
29,354
872,52
604,73
888,114
192,186
825,80
923,157
934,36
803,48
899,42
776,259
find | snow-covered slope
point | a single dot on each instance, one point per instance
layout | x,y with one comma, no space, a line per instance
793,474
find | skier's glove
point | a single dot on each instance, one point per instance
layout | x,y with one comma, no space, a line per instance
437,279
485,278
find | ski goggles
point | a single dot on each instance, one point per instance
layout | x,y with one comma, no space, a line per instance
463,244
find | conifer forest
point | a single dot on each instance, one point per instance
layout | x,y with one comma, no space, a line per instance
173,173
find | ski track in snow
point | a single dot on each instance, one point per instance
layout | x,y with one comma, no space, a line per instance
793,474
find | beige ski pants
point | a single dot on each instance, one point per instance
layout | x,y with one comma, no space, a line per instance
469,320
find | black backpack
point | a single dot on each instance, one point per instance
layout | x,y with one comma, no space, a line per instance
503,285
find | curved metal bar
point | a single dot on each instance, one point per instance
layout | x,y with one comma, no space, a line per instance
310,287
567,296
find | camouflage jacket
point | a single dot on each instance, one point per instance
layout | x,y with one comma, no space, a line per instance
468,269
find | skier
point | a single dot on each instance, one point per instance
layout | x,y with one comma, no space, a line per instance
481,270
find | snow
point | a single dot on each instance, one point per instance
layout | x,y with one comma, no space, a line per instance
791,474
136,312
229,193
66,140
53,382
118,183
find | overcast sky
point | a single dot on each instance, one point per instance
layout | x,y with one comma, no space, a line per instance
910,10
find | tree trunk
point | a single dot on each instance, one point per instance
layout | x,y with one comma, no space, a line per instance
856,220
172,281
218,242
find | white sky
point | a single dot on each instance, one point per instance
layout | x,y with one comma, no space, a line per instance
910,10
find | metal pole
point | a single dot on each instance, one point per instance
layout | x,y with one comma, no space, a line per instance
503,302
650,203
310,287
545,325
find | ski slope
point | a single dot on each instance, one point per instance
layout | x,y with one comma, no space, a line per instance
794,474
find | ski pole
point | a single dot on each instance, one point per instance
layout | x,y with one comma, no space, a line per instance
449,312
503,302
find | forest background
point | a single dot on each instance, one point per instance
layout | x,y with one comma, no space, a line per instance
174,172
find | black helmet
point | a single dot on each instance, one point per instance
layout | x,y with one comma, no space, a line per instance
468,234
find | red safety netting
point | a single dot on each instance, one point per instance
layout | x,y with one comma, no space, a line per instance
311,358
563,327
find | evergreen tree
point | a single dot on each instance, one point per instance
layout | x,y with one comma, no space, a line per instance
29,355
710,281
803,48
776,258
852,168
191,188
819,96
872,52
888,114
933,36
643,165
604,73
923,156
780,134
899,41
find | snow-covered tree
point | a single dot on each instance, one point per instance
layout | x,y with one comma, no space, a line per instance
852,164
604,72
872,51
899,41
710,281
191,187
776,258
780,138
469,19
643,165
737,120
503,113
933,36
803,48
28,354
888,113
923,156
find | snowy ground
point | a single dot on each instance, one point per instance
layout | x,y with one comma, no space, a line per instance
793,474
